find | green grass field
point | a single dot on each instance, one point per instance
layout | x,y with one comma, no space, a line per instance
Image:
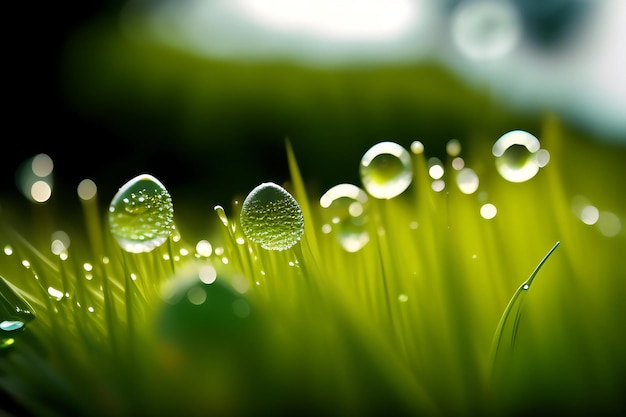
404,325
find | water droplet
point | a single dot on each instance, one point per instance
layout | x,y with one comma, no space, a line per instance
488,211
467,180
435,168
485,29
10,325
386,170
15,311
453,147
141,214
515,155
271,217
403,298
345,207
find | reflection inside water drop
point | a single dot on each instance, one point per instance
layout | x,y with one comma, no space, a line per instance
141,214
345,208
386,170
515,155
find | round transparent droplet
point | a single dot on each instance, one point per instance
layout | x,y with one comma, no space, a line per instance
271,217
515,155
386,170
345,208
141,214
467,180
485,29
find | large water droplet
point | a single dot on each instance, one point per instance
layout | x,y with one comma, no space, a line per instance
386,170
141,214
515,155
271,217
345,210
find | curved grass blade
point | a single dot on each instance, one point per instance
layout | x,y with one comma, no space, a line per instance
513,309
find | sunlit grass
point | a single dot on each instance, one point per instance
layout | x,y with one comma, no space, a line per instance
404,325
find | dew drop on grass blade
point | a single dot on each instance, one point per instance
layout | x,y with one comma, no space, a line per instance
514,310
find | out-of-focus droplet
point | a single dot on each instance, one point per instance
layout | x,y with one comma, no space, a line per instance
345,210
467,181
34,178
515,155
488,211
386,170
271,217
485,29
141,214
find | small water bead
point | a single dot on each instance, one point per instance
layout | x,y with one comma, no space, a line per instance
271,217
141,214
515,155
417,147
345,206
386,170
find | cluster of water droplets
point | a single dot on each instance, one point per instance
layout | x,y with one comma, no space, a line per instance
141,214
271,217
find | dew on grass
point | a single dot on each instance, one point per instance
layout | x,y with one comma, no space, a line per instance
271,217
386,170
515,155
467,181
345,209
141,214
15,311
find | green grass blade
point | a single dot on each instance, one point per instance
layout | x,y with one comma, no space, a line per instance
514,306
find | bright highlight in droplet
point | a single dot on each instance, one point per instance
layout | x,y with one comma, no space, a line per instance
386,170
515,155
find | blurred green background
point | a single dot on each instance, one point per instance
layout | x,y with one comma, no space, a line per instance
109,90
